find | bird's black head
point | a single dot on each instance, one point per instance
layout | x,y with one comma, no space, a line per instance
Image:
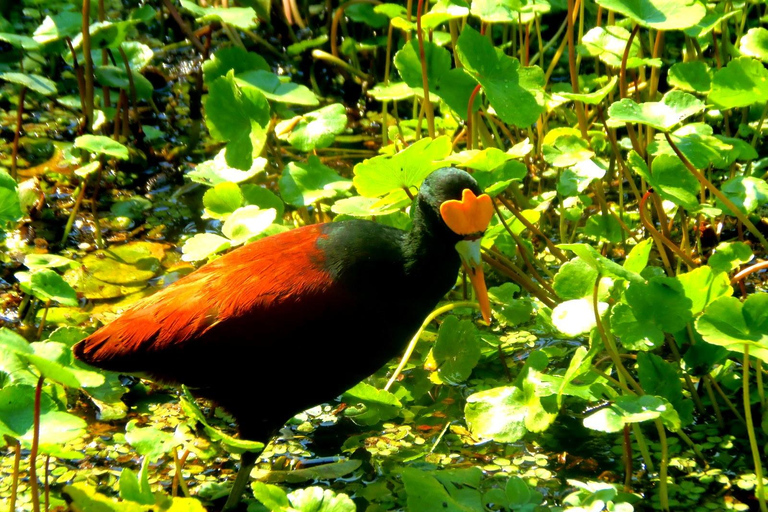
443,185
452,210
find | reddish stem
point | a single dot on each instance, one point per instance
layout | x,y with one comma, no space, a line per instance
424,79
33,451
470,112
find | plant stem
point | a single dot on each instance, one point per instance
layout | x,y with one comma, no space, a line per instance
33,486
572,10
17,134
715,406
16,462
88,62
557,253
429,112
716,192
178,477
660,239
725,398
72,215
756,452
663,490
327,57
337,19
47,482
610,347
412,344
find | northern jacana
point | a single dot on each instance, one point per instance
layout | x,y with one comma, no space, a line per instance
333,301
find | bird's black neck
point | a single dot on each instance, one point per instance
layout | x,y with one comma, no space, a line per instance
429,248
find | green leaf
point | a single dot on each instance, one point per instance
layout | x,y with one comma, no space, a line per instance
303,184
451,85
702,286
755,43
365,13
222,200
45,284
663,115
101,145
246,223
497,413
515,92
271,496
232,58
216,171
133,490
369,406
275,89
602,264
602,227
244,18
747,193
729,323
743,82
359,206
608,44
659,14
490,11
204,245
262,197
594,97
693,76
37,83
674,182
633,409
10,206
139,54
661,301
456,350
637,259
129,264
314,130
577,316
117,77
425,493
575,279
17,418
316,499
20,41
696,142
133,208
296,49
579,176
235,115
149,441
407,169
566,151
728,256
633,334
660,378
59,26
506,309
394,91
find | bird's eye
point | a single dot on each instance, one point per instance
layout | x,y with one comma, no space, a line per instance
470,216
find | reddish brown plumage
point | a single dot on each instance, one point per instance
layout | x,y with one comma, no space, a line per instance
217,309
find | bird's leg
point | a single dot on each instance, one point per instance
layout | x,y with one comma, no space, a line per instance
247,461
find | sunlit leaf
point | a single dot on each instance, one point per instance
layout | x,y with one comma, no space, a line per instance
37,83
659,14
514,91
743,82
314,130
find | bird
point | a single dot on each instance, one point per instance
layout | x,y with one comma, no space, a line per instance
295,319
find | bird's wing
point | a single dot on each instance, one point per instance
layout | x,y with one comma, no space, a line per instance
270,286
